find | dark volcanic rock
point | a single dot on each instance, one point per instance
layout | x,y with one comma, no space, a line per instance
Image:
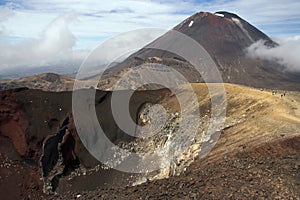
51,151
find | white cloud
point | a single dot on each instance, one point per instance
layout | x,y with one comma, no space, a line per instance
287,53
5,14
96,18
54,47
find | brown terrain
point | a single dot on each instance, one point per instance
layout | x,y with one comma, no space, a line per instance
257,155
47,81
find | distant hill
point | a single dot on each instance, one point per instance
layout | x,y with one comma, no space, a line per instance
47,82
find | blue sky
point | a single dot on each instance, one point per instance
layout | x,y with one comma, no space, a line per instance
82,25
276,18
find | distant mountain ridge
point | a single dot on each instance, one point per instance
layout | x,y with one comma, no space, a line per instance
47,81
225,36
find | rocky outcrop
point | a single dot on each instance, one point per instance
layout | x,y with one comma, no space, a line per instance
58,158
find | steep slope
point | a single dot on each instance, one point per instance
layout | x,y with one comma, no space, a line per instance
222,33
225,36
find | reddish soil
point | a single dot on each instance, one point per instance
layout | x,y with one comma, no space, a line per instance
258,158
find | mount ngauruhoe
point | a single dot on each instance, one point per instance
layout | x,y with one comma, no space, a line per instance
226,37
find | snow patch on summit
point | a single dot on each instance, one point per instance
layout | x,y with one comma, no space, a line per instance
191,23
219,15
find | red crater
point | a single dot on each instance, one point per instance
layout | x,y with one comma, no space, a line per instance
13,123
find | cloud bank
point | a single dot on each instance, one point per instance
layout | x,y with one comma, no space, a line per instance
286,54
54,47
